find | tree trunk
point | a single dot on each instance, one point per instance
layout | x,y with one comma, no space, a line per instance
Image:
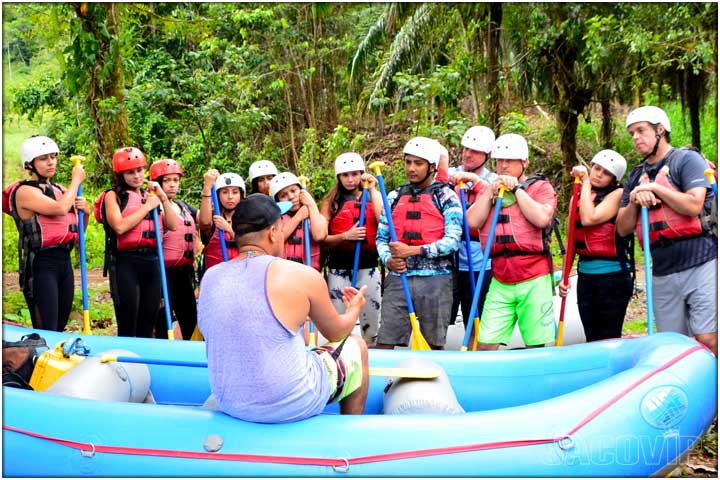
694,89
493,35
567,124
606,122
105,97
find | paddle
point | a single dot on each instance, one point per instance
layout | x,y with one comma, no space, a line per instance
648,269
221,234
358,244
308,256
163,279
77,160
569,257
403,372
486,252
471,270
711,178
418,341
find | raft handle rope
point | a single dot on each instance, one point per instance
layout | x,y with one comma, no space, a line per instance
346,462
342,468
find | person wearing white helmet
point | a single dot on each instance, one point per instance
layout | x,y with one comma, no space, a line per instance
230,188
286,187
45,215
260,175
521,289
670,182
428,223
606,261
341,208
475,173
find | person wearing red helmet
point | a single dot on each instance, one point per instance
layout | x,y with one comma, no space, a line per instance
179,251
45,215
131,246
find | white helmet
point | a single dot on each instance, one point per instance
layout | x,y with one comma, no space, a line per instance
349,162
423,147
510,146
35,147
285,179
262,168
650,114
230,180
611,161
478,138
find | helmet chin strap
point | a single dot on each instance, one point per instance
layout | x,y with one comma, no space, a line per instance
32,168
430,172
657,144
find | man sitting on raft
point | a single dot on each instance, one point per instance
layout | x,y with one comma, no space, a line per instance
251,312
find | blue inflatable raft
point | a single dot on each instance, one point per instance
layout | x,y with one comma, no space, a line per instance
631,407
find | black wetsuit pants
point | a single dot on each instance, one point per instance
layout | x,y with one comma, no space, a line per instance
463,295
136,291
602,303
49,287
181,290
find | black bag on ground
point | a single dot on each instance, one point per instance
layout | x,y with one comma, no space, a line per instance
18,360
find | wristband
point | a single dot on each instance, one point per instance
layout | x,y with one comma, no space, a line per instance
207,196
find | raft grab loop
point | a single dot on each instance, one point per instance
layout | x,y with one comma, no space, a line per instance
566,442
342,468
90,453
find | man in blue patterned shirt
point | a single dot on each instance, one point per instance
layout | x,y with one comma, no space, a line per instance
428,222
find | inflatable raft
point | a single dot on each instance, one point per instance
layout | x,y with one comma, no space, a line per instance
630,407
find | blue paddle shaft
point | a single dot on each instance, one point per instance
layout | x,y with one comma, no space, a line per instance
358,244
714,189
468,249
486,253
161,261
83,262
393,237
221,234
648,269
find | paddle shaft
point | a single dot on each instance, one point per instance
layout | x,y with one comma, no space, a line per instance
77,159
420,339
308,256
569,256
221,234
488,246
405,372
648,270
468,250
358,244
163,279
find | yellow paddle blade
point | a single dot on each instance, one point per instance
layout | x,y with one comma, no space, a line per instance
476,325
417,342
196,335
559,340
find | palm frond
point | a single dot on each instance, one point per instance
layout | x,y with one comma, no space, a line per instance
372,39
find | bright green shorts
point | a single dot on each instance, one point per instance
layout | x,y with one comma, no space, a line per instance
352,362
529,303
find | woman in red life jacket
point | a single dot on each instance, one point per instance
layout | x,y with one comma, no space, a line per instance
45,215
261,174
286,187
230,188
179,251
135,283
341,208
605,264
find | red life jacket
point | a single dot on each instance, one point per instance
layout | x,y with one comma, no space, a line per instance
470,197
42,231
664,222
596,240
347,215
514,234
213,249
179,245
142,235
417,216
295,246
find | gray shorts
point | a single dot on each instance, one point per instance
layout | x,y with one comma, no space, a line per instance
432,298
686,302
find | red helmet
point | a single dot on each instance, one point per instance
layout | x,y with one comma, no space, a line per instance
128,158
165,167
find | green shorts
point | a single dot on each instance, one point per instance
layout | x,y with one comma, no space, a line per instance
349,366
529,303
